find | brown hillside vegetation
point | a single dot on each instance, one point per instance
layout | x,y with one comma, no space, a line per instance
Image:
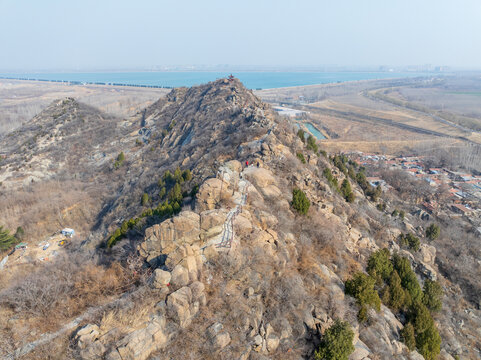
202,235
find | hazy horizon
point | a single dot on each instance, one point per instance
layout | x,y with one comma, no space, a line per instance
53,35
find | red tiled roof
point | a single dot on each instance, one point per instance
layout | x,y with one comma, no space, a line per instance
462,208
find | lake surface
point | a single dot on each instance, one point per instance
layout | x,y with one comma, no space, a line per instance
252,80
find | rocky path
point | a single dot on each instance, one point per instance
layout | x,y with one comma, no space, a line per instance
228,231
46,338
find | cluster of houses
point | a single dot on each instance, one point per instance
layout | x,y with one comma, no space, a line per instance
462,190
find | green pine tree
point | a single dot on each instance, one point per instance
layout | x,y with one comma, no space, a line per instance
407,336
432,294
300,202
379,266
6,240
336,344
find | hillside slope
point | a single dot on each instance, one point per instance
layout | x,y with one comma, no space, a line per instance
217,259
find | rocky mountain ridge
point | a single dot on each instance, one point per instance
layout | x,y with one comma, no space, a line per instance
237,273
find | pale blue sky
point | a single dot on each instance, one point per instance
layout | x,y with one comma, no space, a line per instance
113,34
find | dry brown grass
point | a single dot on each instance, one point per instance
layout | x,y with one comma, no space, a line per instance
58,349
58,291
21,100
124,318
43,208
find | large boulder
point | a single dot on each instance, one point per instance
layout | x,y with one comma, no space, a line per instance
212,223
140,343
160,278
271,191
217,336
385,327
361,351
162,239
210,194
444,355
181,307
428,253
188,256
93,352
179,276
198,292
87,335
272,342
234,165
260,177
242,225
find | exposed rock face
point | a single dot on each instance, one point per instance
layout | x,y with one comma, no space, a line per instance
361,351
183,304
427,271
272,342
218,338
212,222
141,343
383,331
137,344
87,335
162,239
179,306
189,256
180,276
358,242
259,177
210,193
428,253
160,278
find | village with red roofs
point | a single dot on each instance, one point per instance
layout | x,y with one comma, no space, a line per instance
461,190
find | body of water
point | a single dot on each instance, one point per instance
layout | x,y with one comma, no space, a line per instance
252,80
313,130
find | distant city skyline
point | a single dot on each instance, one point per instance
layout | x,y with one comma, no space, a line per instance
251,68
54,35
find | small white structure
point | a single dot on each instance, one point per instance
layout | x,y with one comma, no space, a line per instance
67,232
285,111
3,262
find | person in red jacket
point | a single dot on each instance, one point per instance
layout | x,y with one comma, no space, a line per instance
247,163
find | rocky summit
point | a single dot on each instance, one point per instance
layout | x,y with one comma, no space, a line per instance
208,227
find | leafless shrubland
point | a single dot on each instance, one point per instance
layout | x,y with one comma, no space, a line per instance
462,156
408,187
43,208
49,296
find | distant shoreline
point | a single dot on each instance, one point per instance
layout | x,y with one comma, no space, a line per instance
87,83
83,83
170,80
